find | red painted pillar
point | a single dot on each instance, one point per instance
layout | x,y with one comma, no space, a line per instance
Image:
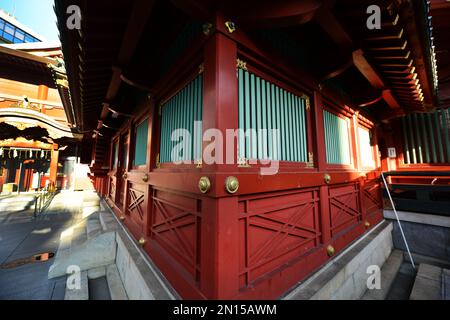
220,229
321,163
42,95
54,165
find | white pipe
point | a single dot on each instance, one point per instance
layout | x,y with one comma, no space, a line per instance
398,220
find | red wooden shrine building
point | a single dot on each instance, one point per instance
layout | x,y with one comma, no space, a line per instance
336,91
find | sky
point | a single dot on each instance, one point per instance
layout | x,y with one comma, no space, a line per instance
38,15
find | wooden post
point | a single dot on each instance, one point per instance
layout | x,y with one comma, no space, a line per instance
42,95
54,165
321,163
220,229
220,99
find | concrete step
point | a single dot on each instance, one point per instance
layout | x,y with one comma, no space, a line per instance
389,271
103,283
428,283
93,226
115,284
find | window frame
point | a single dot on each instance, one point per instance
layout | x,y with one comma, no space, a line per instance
290,85
348,118
372,147
132,146
174,90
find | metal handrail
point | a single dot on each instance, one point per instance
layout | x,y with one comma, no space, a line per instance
42,200
398,219
417,173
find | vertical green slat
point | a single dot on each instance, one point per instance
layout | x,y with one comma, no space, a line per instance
335,138
327,136
264,119
341,141
269,121
300,125
200,117
292,145
254,146
279,119
285,153
190,121
406,143
413,143
186,121
424,139
247,115
241,146
416,130
166,109
445,126
288,124
439,138
304,131
281,127
297,123
162,138
173,124
431,136
258,116
325,126
194,119
179,118
275,146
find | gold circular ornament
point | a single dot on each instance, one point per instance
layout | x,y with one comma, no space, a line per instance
122,218
330,250
327,178
145,178
142,242
367,224
204,185
232,185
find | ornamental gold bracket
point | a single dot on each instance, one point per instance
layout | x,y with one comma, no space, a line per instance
243,163
231,26
207,28
158,162
201,68
240,64
310,163
307,101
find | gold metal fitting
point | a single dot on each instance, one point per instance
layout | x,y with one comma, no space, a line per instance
204,185
243,163
122,218
230,26
145,178
367,224
125,176
327,178
232,185
207,28
142,242
330,250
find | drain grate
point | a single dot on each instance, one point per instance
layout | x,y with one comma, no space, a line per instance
37,258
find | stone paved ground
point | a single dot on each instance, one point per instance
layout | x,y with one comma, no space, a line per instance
22,236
